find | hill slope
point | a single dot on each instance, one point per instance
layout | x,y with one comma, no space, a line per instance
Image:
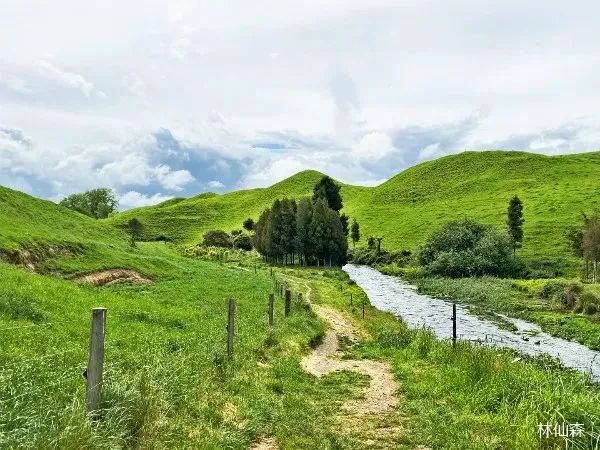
555,191
41,234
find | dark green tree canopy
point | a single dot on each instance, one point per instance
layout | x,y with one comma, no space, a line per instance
248,224
466,248
217,238
514,221
355,232
96,203
134,228
328,190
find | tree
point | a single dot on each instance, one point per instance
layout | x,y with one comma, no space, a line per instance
465,248
249,224
345,224
217,238
135,228
591,243
371,242
96,203
514,221
355,232
328,190
240,240
304,246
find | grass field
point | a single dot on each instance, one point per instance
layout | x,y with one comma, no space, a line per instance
168,382
405,209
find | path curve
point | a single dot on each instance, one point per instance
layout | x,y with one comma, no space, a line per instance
379,395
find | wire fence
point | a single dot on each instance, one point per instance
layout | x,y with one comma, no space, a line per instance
32,376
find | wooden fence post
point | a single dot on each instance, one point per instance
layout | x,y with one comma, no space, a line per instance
95,367
271,303
255,268
230,327
288,302
454,324
299,297
363,309
350,298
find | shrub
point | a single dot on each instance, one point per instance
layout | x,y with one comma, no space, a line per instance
589,302
217,238
545,268
565,293
551,289
466,248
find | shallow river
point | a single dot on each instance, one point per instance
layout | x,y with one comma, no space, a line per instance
391,294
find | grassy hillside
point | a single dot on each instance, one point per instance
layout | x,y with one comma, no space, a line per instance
405,209
48,237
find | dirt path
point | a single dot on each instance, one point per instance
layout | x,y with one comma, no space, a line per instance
112,276
379,396
371,416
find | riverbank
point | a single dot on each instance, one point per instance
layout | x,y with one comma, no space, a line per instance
492,297
471,396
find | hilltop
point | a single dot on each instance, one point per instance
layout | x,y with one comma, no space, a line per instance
406,208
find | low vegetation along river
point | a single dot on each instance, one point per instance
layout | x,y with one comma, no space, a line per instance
390,294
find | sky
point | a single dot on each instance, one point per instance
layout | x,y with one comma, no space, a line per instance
162,99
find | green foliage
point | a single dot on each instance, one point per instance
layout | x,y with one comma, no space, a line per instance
371,257
135,228
514,221
217,238
309,229
467,248
355,232
96,203
327,189
249,224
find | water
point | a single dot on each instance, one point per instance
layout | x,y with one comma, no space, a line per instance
392,295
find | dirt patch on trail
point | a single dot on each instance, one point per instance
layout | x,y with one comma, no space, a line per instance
112,276
264,443
379,396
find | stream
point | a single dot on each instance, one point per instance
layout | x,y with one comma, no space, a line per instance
392,295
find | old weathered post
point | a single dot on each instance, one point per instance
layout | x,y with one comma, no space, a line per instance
351,298
271,303
363,309
271,271
95,367
255,268
230,327
454,324
288,302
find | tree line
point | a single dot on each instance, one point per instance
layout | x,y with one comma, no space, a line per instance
310,231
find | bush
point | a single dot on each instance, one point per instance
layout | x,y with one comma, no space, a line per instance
371,257
217,238
589,302
565,293
465,248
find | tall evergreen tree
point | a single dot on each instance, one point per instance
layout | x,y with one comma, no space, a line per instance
514,221
304,214
328,190
345,224
355,232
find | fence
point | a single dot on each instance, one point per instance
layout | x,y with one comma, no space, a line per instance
93,346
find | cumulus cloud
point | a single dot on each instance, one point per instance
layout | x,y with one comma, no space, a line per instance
134,199
215,184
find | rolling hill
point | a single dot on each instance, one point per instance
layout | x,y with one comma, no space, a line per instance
406,208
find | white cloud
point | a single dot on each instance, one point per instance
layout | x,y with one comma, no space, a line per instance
356,89
69,79
134,199
215,184
172,180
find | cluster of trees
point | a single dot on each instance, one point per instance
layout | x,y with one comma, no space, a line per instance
236,240
96,203
310,231
584,241
466,248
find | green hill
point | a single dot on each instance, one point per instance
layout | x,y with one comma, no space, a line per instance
50,238
405,209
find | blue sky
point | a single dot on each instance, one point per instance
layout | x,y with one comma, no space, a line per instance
159,99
